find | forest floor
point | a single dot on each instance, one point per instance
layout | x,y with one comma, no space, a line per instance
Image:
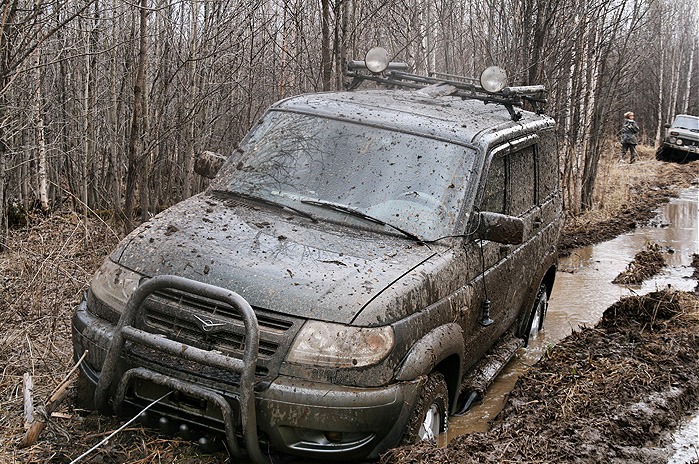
610,393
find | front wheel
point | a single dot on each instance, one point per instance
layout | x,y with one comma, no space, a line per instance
430,417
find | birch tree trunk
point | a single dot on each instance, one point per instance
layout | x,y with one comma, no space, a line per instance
660,129
192,103
87,136
690,70
40,137
326,60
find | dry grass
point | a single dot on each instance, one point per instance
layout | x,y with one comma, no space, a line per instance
618,182
625,195
44,273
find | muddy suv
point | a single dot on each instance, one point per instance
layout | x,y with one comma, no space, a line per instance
681,140
361,267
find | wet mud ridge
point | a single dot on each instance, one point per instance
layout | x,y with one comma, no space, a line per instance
647,263
606,394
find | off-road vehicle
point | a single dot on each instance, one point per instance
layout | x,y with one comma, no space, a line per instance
360,268
681,143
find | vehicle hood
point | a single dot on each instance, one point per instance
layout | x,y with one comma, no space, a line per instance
275,259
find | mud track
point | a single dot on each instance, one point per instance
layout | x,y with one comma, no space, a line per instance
603,394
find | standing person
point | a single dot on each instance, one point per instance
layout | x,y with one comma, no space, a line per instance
628,136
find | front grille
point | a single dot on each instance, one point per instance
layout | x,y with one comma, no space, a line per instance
689,142
184,317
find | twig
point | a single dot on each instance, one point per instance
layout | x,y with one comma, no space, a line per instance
106,439
56,399
28,393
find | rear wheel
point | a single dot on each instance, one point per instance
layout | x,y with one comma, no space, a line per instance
535,321
430,417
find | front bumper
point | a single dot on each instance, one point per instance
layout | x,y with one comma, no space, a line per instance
292,415
692,148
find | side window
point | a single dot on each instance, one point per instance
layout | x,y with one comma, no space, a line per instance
522,181
547,165
514,177
494,193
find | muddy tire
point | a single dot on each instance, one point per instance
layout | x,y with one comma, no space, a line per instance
431,414
535,322
84,392
662,154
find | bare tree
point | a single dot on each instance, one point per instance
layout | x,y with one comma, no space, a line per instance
115,109
136,155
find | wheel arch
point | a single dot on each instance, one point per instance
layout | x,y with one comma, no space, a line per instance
549,278
441,349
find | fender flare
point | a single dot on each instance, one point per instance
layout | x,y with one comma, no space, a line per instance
440,343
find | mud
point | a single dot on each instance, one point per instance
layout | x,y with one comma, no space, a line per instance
604,394
645,264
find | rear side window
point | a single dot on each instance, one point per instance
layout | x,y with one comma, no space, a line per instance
494,193
519,179
522,181
547,165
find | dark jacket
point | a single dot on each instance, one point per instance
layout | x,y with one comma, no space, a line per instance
628,132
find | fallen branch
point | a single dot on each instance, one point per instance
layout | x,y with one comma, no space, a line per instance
56,399
28,393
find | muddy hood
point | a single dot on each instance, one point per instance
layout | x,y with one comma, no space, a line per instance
277,260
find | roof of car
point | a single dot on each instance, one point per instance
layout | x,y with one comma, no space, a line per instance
447,117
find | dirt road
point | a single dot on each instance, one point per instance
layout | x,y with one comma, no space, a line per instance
604,394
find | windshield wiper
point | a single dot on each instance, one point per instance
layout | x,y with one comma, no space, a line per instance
275,204
360,214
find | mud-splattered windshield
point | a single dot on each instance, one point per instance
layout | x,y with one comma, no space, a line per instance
332,169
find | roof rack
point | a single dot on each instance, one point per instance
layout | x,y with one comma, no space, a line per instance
435,85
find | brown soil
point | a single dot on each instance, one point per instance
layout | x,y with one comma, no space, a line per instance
604,394
647,263
627,195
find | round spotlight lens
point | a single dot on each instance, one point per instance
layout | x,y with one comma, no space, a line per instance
679,142
493,79
376,60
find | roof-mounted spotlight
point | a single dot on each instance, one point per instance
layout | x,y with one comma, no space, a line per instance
493,79
376,60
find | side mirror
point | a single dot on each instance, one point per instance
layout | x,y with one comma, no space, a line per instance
500,228
667,125
207,163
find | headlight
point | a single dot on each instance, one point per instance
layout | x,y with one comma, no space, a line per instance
334,345
673,139
113,284
679,142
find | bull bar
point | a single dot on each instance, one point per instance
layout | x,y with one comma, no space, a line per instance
245,367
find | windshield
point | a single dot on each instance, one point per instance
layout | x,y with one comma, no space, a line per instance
332,168
686,122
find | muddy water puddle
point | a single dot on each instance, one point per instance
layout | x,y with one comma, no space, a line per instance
583,290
